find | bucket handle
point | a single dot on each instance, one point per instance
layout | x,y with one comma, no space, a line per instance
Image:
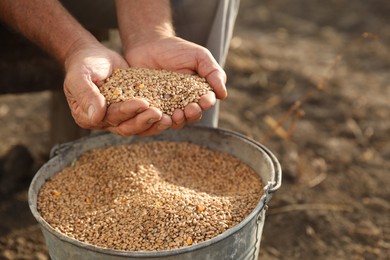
63,147
275,184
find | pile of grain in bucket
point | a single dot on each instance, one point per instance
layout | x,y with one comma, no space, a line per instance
149,196
163,89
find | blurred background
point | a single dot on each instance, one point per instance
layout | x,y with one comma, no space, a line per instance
333,58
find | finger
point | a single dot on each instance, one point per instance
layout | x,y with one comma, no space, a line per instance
101,73
178,126
207,101
214,74
178,118
87,105
192,112
217,80
123,111
139,123
158,127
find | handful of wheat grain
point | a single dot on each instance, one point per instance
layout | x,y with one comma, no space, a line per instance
165,90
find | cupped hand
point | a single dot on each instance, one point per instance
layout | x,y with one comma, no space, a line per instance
176,54
87,66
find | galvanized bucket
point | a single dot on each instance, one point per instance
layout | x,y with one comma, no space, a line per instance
239,242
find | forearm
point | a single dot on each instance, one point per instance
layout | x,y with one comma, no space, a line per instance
143,20
47,24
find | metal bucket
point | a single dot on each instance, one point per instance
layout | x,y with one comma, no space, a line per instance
239,242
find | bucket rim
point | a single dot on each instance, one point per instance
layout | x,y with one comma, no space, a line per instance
269,188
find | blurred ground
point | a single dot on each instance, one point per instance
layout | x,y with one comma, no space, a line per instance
335,199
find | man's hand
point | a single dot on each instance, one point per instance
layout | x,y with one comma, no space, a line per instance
175,54
87,66
149,41
87,63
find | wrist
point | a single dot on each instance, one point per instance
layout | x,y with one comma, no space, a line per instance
139,38
142,21
76,46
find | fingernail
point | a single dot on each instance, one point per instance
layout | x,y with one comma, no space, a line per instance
200,115
180,122
153,120
91,111
162,127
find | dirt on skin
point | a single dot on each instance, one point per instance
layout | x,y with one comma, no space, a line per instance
334,148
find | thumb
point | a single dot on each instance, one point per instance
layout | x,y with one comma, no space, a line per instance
87,105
